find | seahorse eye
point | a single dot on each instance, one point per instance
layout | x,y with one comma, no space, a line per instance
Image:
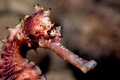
53,33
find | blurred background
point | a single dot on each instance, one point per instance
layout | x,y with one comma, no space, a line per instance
91,29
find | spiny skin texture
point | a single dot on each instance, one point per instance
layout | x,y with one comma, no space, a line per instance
33,32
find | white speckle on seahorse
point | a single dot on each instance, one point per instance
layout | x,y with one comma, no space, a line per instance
46,20
58,44
49,41
61,46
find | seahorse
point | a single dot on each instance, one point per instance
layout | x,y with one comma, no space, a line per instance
34,31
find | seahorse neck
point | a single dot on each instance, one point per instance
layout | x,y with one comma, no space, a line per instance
13,62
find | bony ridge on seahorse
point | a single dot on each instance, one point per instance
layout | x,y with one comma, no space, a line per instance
34,31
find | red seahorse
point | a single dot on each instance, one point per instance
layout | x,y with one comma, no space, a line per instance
33,32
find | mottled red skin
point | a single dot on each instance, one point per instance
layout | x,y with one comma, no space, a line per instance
33,32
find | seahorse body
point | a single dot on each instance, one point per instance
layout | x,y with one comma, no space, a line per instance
33,32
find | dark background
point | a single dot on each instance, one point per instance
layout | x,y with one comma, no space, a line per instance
91,29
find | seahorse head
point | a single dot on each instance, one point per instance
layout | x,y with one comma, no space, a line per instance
38,26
